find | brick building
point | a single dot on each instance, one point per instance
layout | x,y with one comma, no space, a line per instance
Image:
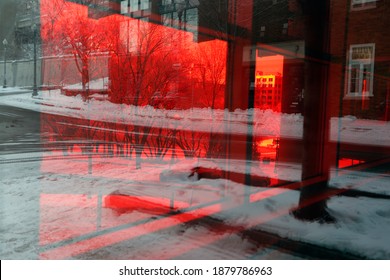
360,49
268,91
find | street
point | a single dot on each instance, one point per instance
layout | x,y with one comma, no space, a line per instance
19,130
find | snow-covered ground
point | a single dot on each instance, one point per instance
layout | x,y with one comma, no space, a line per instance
67,206
348,129
99,84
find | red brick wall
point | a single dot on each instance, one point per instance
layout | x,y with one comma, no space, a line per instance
350,27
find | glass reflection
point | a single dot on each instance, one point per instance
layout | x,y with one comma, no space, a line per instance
234,119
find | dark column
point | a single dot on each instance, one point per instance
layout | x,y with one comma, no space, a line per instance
316,152
240,78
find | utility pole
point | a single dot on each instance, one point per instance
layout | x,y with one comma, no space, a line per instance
34,6
5,43
35,89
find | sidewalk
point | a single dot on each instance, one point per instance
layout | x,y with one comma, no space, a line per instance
13,90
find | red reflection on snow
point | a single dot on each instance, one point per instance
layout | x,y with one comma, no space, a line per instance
65,216
108,239
347,162
153,205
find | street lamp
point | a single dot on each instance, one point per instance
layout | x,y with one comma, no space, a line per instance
35,89
5,43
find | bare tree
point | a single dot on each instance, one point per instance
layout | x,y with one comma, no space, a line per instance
142,59
51,11
68,30
209,71
190,142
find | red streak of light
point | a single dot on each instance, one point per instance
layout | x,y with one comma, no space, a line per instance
346,162
123,235
76,205
94,243
202,241
250,223
149,204
80,167
97,242
127,234
60,216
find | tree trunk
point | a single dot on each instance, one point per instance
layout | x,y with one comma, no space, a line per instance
138,153
85,80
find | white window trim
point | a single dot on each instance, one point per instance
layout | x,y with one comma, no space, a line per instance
355,2
361,62
357,5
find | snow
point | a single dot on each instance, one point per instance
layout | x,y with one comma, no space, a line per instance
42,202
10,90
266,123
99,84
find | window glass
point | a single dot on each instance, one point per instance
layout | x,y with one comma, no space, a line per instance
361,70
124,7
126,126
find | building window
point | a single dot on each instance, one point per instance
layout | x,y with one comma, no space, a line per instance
137,5
144,4
285,28
361,70
262,31
363,4
134,5
124,7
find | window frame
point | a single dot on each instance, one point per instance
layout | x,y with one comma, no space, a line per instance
361,63
357,5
